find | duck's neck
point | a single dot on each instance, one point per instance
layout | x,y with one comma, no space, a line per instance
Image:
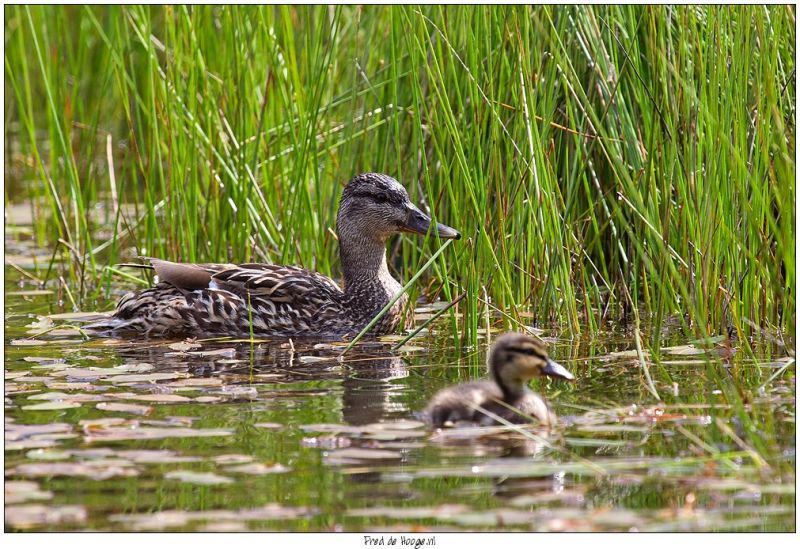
366,274
511,387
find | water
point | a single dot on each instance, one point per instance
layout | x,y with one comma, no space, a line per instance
226,435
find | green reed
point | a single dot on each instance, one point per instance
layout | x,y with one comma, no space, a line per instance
586,154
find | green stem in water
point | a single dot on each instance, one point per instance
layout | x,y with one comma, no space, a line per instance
429,321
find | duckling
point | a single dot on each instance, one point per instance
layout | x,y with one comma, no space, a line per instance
513,360
272,300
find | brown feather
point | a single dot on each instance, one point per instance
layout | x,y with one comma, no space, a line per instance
181,275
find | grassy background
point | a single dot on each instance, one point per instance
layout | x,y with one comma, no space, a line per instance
600,161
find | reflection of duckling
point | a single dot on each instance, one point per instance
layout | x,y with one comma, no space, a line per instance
513,360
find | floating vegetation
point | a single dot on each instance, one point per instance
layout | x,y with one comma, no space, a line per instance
34,515
258,469
21,491
163,520
192,477
133,431
161,420
134,402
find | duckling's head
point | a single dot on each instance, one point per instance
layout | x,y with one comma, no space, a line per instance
376,206
515,358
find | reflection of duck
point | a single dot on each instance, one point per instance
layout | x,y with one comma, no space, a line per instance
513,360
197,299
372,390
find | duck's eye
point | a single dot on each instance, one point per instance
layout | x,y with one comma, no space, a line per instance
381,198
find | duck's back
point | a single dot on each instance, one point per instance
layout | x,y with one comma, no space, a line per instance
460,403
195,299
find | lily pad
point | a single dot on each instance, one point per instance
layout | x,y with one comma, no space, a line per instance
184,346
54,405
232,459
399,425
43,360
21,491
684,350
564,497
178,518
19,431
156,456
238,391
228,352
441,512
350,455
27,444
192,477
224,526
160,398
153,433
73,397
41,454
207,399
269,425
70,386
197,382
495,517
29,516
82,373
123,407
130,368
27,342
331,428
152,378
94,470
308,359
394,435
258,469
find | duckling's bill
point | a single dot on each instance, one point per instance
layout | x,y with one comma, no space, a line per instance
554,369
418,222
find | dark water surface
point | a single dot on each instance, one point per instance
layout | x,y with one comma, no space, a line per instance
223,435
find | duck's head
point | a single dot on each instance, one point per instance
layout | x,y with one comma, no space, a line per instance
515,358
376,206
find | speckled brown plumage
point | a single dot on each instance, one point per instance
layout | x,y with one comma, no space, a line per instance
206,299
513,360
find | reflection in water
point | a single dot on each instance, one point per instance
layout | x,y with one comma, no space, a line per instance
291,431
368,391
492,441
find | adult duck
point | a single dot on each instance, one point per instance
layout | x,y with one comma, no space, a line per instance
513,360
272,300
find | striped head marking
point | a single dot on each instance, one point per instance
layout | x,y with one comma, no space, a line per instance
522,356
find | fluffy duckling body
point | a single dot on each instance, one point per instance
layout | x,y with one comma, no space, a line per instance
274,300
513,360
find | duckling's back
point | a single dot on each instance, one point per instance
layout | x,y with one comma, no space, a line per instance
462,402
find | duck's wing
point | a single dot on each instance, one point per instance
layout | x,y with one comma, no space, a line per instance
275,282
187,276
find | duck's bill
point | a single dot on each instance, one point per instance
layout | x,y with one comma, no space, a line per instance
419,223
554,369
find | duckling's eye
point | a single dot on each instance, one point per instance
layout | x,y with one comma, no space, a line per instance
530,351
